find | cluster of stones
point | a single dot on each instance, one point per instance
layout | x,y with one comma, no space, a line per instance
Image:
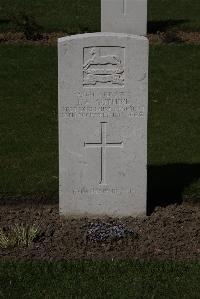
102,231
103,105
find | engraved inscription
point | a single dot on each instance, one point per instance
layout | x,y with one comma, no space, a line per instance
103,145
93,104
102,190
103,66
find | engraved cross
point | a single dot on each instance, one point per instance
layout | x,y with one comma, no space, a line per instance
124,7
103,145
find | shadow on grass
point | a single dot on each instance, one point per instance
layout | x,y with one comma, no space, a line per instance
38,198
4,21
163,26
166,183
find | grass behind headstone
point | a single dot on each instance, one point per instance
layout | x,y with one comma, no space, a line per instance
28,108
62,15
165,15
84,15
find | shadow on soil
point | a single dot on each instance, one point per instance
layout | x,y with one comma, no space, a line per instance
163,26
166,183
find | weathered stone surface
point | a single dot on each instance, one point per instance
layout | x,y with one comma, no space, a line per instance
103,95
126,16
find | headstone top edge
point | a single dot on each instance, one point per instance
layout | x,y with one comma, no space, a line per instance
100,34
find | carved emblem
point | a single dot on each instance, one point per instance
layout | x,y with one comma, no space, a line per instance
103,65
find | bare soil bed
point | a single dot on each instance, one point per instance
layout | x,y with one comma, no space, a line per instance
171,233
51,38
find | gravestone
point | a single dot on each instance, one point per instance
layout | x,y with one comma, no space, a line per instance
125,16
103,95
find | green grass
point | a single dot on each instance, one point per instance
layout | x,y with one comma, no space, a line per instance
84,15
28,108
61,15
100,280
174,122
174,112
180,14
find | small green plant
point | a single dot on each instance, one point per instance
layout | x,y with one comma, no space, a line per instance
4,241
18,235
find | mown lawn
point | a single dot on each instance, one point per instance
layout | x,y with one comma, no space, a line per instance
100,280
84,15
61,15
177,14
28,108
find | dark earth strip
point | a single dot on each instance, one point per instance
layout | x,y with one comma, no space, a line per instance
51,38
171,233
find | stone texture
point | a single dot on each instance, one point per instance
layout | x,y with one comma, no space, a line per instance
103,95
125,16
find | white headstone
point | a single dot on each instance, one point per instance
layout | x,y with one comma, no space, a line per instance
126,16
103,95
